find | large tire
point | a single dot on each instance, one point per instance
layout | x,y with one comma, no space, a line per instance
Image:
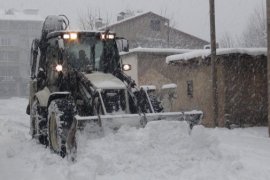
38,122
62,126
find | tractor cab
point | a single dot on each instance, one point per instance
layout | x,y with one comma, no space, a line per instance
84,51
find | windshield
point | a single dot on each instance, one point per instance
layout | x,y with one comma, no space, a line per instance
101,55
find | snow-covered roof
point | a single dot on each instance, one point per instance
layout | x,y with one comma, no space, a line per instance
130,18
157,50
207,52
25,15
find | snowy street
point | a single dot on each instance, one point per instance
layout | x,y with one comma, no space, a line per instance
162,150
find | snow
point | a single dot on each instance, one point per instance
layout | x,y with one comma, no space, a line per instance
157,50
148,87
169,86
161,150
206,52
105,81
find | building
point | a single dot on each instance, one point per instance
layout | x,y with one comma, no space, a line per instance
241,74
241,81
148,65
150,30
17,30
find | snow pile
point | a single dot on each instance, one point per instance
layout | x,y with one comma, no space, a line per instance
206,52
169,86
148,87
156,50
161,150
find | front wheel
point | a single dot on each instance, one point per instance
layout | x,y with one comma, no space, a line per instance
38,122
62,126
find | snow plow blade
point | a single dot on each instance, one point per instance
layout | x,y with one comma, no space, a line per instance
136,120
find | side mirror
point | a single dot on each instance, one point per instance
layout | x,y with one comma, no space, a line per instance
122,45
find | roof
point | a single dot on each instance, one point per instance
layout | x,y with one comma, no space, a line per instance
14,15
156,51
132,18
204,53
186,34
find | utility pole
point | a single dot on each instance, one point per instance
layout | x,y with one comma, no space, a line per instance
268,60
213,62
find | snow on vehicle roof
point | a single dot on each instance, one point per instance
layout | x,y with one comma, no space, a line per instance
203,53
105,81
157,50
25,15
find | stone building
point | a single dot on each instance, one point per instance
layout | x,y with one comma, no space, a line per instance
17,30
241,81
150,30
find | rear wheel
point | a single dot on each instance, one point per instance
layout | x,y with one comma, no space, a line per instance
62,127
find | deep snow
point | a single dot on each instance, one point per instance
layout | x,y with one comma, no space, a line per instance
162,150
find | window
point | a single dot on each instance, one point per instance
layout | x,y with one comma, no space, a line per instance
5,42
190,88
155,25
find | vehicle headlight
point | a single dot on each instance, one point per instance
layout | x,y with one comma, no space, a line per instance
66,36
105,36
126,67
73,36
110,36
59,67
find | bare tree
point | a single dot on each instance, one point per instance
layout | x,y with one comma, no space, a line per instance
227,41
255,34
91,20
87,20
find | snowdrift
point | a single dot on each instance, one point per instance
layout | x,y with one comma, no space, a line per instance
161,150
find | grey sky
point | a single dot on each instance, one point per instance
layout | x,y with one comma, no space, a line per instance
190,16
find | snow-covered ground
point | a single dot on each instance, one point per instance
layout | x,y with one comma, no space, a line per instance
162,150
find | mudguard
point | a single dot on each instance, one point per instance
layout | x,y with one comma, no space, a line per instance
43,96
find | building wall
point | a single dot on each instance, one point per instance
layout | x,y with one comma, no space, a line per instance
151,68
141,32
15,41
246,92
242,88
200,98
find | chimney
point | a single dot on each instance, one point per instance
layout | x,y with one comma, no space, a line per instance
99,23
10,12
121,16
